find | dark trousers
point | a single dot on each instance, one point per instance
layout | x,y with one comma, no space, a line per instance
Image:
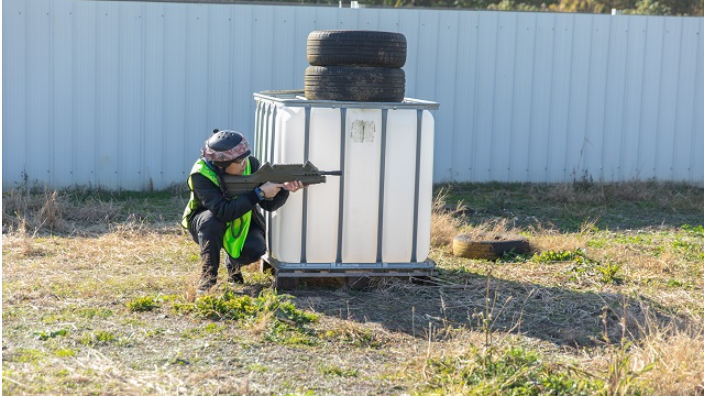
208,231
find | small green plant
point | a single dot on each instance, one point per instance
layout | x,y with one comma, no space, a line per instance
213,328
353,335
181,308
64,353
609,273
142,304
257,368
43,336
597,243
97,338
179,360
579,270
696,231
326,369
674,283
153,333
633,239
281,333
558,256
25,356
91,313
513,257
104,336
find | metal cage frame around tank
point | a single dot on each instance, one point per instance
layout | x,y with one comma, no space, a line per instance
267,103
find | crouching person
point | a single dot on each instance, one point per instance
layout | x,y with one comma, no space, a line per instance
216,220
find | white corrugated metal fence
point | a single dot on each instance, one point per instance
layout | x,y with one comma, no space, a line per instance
123,94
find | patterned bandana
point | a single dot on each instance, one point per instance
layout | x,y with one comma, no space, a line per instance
225,156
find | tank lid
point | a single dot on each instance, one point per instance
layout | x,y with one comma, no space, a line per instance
295,98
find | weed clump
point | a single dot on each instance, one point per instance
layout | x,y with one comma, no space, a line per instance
512,371
142,304
232,306
272,314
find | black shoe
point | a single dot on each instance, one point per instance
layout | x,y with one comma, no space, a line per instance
205,284
235,278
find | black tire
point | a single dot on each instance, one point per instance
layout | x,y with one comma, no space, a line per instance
356,48
358,84
488,246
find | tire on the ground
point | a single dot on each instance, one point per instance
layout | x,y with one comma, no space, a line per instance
356,48
488,246
359,84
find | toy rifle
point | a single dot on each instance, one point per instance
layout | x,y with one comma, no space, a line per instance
307,173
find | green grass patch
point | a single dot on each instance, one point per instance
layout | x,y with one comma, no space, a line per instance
357,336
64,353
93,313
697,231
24,355
98,337
276,313
514,371
552,256
232,306
143,304
44,335
331,369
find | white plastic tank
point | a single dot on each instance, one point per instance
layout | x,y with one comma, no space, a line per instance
379,210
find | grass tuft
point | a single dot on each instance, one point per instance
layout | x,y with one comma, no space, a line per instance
142,304
444,222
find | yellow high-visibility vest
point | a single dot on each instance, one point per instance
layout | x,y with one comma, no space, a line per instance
238,229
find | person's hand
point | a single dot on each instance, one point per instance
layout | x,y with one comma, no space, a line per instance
294,185
269,189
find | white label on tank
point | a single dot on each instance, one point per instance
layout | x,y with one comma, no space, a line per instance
363,131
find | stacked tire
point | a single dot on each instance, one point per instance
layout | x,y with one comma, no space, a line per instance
356,65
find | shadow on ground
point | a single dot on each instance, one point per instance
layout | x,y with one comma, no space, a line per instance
558,315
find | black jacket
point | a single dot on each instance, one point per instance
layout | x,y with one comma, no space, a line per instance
226,208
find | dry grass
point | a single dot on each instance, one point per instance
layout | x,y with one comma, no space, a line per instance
593,193
444,221
74,260
677,354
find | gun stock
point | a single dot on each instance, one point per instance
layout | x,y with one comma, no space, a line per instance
307,173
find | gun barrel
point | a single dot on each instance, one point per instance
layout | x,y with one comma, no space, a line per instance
331,173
